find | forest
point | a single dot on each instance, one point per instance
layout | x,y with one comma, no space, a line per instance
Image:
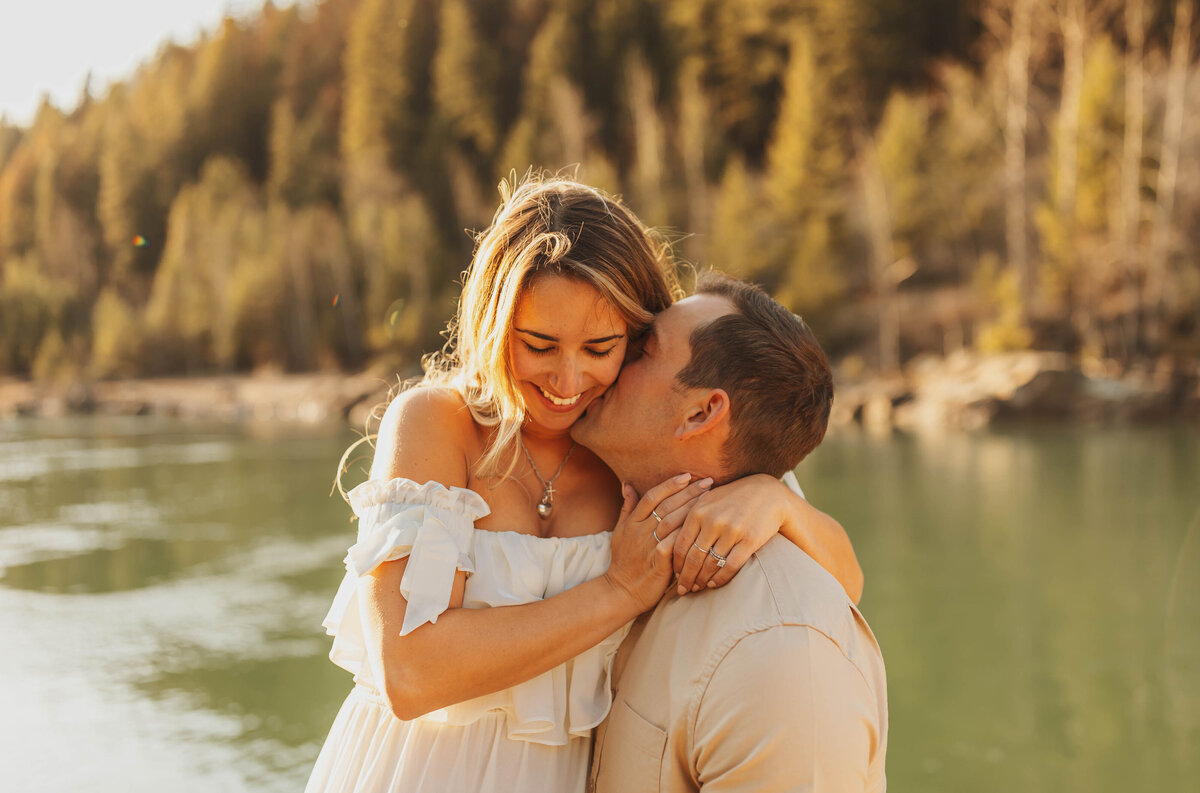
297,190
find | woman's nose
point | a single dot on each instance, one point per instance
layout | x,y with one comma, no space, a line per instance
566,378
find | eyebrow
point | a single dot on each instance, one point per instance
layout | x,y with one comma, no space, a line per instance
545,337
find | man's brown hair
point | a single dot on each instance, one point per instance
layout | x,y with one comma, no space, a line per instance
778,380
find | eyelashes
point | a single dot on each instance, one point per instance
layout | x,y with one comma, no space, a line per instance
588,350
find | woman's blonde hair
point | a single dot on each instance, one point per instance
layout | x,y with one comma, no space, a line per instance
544,226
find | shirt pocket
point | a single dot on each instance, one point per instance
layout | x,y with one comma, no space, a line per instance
631,759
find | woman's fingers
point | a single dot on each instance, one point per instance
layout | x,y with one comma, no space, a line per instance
735,560
629,503
656,495
713,565
670,496
689,535
683,497
693,558
704,533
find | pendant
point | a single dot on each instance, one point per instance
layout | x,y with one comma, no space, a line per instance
543,508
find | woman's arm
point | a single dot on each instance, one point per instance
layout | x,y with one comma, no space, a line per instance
471,652
738,518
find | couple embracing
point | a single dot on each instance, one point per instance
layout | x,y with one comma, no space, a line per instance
582,561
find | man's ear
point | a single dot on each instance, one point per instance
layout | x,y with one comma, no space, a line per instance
708,412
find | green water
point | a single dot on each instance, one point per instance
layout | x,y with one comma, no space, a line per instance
161,587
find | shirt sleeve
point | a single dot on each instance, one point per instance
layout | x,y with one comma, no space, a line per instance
785,710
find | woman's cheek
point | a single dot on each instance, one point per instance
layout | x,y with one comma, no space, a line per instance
613,365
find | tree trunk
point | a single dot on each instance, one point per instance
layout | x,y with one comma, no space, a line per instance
879,222
1073,21
648,144
694,120
1131,168
1016,123
1168,169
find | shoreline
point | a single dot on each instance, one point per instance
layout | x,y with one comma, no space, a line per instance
311,398
962,391
969,391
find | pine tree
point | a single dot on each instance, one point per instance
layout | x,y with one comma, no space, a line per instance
116,337
464,73
377,90
213,226
902,144
738,243
804,176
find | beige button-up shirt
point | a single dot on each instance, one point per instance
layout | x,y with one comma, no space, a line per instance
772,683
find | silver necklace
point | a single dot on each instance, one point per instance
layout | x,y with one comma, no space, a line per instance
547,503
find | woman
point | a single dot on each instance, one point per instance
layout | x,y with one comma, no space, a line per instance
481,610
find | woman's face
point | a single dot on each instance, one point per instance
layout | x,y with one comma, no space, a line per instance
566,348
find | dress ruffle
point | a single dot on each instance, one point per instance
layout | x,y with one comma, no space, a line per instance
430,523
571,699
433,526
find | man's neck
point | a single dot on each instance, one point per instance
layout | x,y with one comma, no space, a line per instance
644,481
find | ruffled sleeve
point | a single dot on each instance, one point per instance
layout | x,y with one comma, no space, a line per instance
431,524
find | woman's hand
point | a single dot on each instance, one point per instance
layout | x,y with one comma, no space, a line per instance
642,540
738,518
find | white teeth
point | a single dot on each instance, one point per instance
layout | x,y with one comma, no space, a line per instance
556,400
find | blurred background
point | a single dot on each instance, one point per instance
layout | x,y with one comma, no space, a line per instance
989,211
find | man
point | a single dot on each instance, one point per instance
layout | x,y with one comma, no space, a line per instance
773,682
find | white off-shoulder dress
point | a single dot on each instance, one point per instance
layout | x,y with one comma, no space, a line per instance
534,736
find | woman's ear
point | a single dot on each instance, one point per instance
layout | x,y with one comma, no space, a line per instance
707,413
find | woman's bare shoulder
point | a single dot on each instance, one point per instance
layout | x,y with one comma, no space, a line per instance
440,404
425,434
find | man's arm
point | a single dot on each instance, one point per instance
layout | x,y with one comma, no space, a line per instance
786,710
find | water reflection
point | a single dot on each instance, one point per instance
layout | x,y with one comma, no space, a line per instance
1035,593
165,585
1019,584
137,563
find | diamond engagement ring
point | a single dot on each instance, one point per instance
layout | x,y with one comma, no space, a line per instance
720,559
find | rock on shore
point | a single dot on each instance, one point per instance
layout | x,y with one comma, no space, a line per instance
305,398
962,391
972,391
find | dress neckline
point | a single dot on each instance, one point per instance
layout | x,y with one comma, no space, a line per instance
606,533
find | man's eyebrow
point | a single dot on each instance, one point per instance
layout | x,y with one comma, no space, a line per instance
545,337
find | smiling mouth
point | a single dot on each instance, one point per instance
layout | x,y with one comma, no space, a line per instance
559,401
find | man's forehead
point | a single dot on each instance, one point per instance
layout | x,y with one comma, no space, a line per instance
680,319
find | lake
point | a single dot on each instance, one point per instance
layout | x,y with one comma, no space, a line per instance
162,583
